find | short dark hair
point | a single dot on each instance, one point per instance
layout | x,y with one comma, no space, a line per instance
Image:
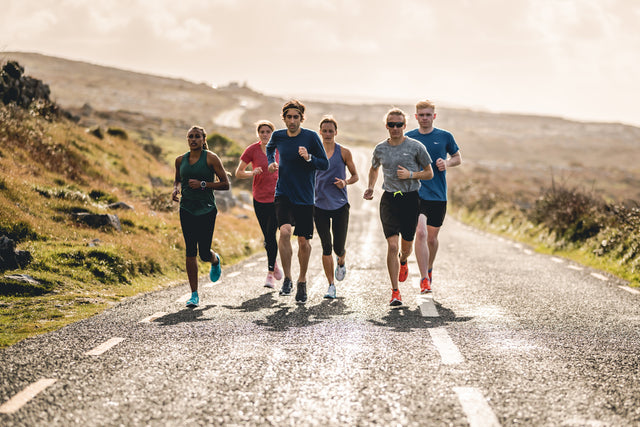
296,105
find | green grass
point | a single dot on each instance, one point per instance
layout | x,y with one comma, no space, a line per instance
81,270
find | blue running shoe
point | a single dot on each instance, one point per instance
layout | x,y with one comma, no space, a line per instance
194,300
216,270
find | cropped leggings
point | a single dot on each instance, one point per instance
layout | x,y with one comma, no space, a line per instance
334,222
198,233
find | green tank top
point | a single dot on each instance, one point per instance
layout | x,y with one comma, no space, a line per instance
198,201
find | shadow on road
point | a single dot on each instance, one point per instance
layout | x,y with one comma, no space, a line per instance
301,315
184,315
406,319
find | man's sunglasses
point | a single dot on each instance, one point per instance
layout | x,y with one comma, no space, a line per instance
395,124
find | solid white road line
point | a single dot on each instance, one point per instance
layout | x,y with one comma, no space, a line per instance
104,346
153,317
21,399
449,352
475,406
600,276
630,290
427,307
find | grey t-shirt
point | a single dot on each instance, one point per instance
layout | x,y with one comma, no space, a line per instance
410,154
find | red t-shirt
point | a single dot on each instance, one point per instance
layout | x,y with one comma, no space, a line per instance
264,184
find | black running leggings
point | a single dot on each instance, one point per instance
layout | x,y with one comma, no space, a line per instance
266,214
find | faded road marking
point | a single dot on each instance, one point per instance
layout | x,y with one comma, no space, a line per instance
104,346
558,260
234,274
23,397
475,406
153,317
599,276
449,352
630,290
575,267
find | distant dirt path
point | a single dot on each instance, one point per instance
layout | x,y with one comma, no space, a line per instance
233,118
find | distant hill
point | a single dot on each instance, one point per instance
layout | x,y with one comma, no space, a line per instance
515,154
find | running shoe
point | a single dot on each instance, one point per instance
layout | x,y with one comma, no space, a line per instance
331,292
425,285
341,270
404,271
286,287
216,270
277,271
270,281
194,300
396,299
301,295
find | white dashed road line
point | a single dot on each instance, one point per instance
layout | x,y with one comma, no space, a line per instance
427,306
599,276
23,397
575,267
558,260
449,352
153,317
104,346
234,274
630,290
475,406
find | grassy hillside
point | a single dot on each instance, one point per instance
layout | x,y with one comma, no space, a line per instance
52,170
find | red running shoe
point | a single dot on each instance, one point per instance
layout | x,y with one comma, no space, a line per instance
425,285
404,271
396,299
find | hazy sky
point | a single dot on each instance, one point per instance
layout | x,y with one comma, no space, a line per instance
570,58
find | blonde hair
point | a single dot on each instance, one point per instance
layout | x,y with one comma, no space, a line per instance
395,112
200,129
266,123
425,104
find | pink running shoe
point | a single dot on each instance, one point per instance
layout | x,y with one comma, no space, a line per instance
277,271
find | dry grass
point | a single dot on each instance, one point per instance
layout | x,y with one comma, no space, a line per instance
50,170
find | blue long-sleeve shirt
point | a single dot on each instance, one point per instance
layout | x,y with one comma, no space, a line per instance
296,176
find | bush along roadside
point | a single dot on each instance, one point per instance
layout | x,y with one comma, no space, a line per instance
565,221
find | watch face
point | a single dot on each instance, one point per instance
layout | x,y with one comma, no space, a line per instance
203,184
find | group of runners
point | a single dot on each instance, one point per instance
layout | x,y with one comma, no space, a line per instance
300,179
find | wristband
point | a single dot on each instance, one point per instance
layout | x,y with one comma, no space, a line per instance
410,174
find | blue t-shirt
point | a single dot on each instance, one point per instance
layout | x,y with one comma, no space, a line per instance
439,143
296,176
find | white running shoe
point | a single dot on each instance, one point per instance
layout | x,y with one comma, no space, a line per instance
341,271
331,292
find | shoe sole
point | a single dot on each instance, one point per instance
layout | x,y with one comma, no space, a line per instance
395,303
192,305
285,294
427,291
268,286
329,297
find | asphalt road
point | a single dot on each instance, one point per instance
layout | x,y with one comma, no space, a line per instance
508,337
